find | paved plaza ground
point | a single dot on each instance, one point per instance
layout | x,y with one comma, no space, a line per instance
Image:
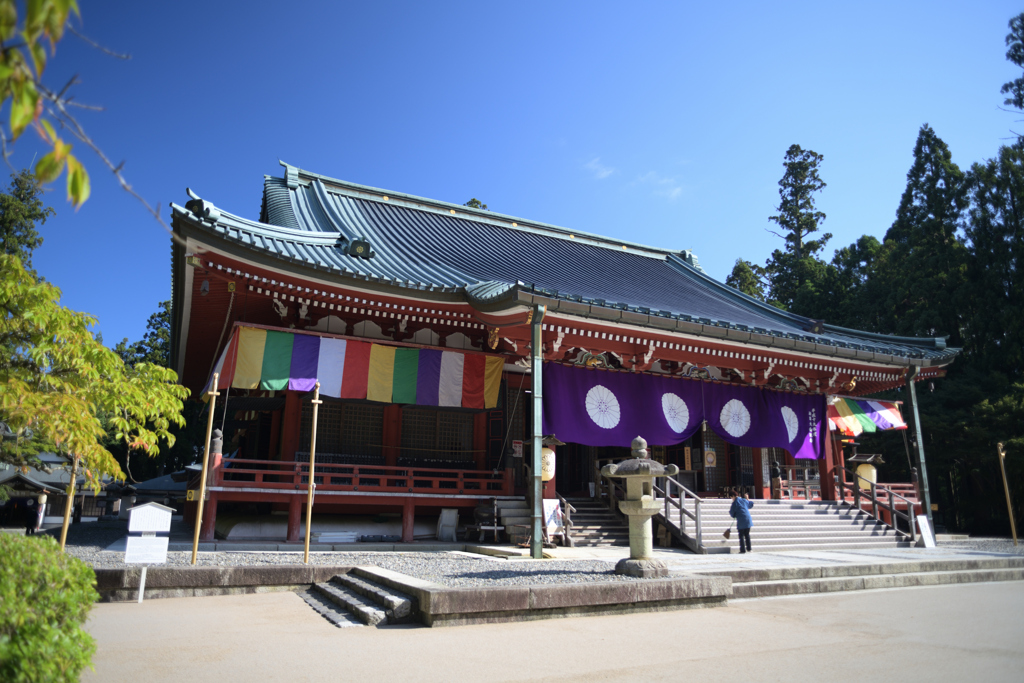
948,633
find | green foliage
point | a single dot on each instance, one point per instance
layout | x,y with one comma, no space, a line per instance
748,278
795,271
841,296
26,40
475,203
188,437
46,596
59,386
155,347
20,209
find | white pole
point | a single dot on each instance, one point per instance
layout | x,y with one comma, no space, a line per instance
142,583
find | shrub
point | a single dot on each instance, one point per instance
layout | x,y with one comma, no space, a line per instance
45,596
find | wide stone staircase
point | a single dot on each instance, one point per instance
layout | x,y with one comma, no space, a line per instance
793,525
355,599
593,525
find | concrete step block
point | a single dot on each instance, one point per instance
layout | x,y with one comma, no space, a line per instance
364,610
338,616
397,605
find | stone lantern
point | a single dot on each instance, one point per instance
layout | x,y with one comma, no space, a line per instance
639,506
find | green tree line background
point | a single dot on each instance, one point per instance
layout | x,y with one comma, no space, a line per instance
948,266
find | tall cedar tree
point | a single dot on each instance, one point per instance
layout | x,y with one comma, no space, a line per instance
21,209
994,334
1015,54
795,272
921,270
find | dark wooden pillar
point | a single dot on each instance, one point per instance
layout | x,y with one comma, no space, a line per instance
392,436
408,520
275,435
480,441
294,518
291,425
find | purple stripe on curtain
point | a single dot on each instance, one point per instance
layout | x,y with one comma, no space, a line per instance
428,376
305,354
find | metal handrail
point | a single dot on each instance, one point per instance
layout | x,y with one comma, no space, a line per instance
890,495
680,504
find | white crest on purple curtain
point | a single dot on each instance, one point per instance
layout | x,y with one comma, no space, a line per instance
676,413
603,407
735,418
792,422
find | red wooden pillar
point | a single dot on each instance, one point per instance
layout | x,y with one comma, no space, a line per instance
480,441
209,518
827,469
392,436
294,518
761,487
408,520
291,425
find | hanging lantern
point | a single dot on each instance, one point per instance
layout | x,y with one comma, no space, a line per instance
547,464
42,498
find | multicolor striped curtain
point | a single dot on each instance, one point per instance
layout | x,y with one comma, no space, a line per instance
853,418
273,360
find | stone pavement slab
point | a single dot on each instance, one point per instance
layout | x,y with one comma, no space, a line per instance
949,633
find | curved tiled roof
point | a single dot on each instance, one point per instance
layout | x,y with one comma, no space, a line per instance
427,244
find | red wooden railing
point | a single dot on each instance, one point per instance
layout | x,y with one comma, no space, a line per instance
280,474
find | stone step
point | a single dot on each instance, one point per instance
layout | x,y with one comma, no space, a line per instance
765,589
398,606
779,536
361,608
338,616
731,546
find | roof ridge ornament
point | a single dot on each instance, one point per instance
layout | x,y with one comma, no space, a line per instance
201,208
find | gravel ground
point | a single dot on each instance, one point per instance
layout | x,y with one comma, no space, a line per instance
988,545
89,542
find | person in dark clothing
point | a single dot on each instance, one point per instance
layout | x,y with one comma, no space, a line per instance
31,517
740,510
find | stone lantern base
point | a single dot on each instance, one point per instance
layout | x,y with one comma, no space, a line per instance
643,569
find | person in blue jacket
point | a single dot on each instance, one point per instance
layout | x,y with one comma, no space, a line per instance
740,510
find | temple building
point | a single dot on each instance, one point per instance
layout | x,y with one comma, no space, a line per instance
417,319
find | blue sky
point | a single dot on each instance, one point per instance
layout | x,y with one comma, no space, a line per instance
664,123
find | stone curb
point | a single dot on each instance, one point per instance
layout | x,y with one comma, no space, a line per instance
108,580
443,606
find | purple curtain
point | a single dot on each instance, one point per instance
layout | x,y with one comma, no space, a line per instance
603,408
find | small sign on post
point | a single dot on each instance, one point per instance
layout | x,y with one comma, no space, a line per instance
517,448
147,548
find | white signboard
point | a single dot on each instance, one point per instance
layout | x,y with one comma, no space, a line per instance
552,516
926,539
517,448
149,518
146,550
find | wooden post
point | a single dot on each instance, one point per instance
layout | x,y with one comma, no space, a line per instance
312,466
213,394
69,502
408,520
1006,487
918,440
536,486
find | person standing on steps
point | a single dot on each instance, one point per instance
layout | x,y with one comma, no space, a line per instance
740,511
